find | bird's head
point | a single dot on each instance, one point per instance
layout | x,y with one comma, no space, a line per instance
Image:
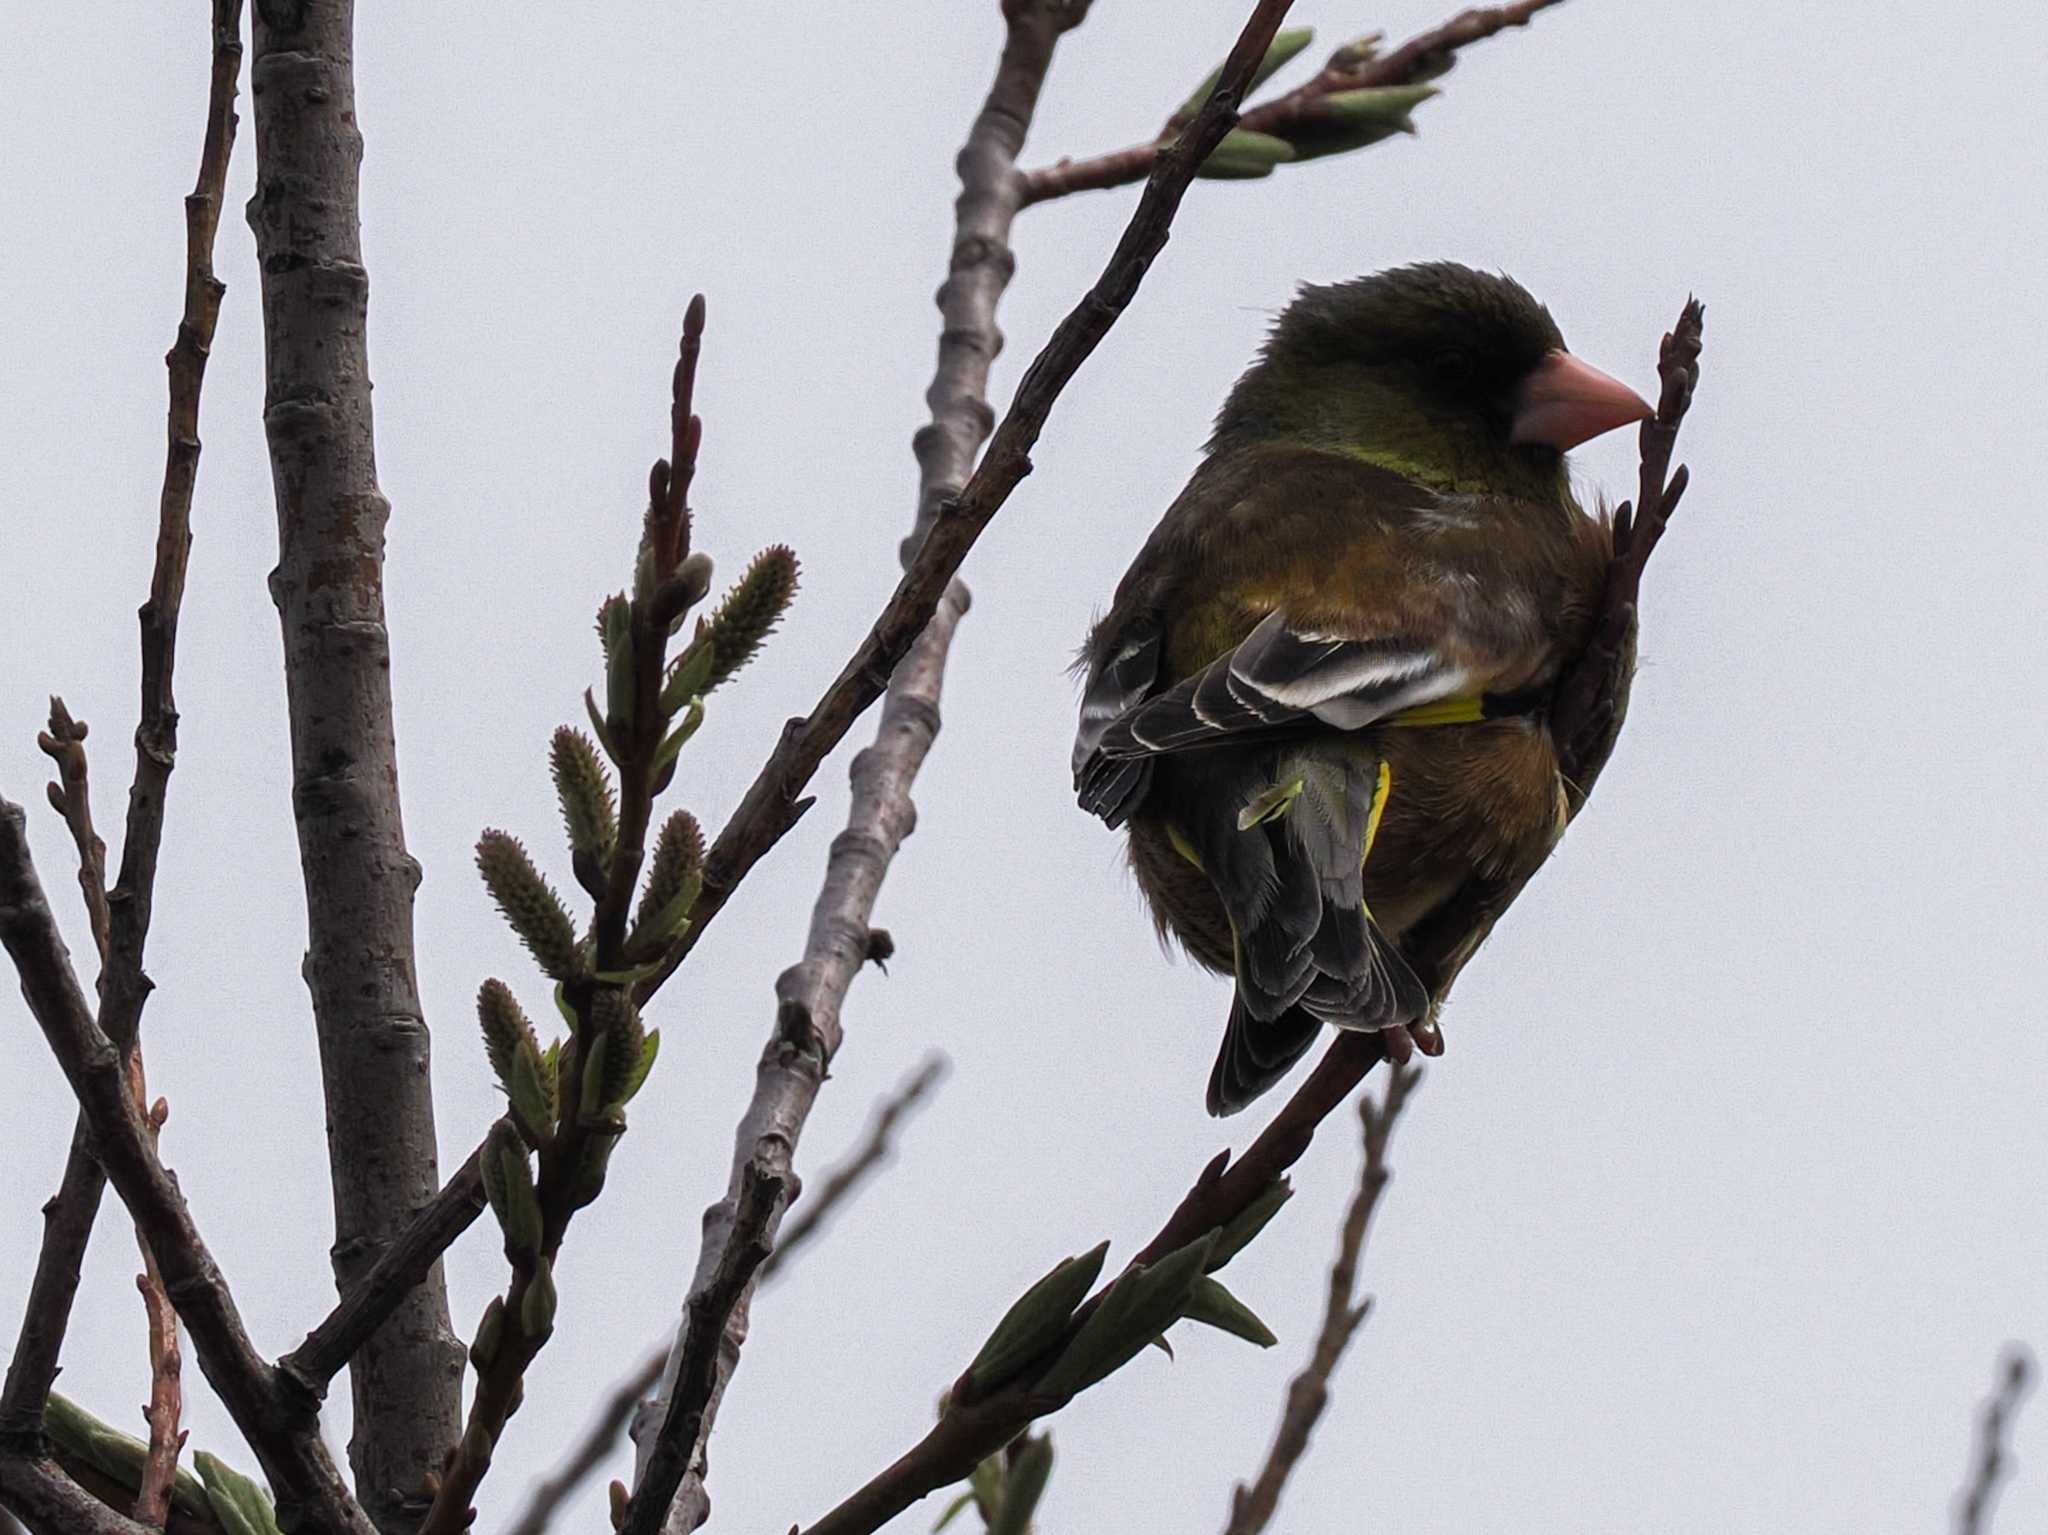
1458,379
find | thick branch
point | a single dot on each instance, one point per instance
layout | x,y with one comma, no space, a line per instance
36,1488
1423,57
280,1427
1252,1507
120,920
328,587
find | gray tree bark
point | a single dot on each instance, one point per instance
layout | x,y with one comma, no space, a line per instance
359,878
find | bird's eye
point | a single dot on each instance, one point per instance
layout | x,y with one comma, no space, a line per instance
1450,369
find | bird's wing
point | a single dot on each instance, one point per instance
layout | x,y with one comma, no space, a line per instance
1284,677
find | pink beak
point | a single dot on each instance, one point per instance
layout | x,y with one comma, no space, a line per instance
1565,402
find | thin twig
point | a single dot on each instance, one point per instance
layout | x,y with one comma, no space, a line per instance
166,1404
285,1436
877,1146
71,796
1994,1430
836,1189
330,1345
1423,57
1252,1508
120,921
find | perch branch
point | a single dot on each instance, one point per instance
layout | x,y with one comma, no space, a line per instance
1423,57
36,1488
1252,1508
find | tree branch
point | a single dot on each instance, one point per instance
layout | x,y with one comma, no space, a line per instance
836,1189
1252,1508
378,1291
36,1488
328,587
1425,56
120,920
810,994
1994,1427
280,1426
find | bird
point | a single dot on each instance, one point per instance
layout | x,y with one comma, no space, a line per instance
1317,700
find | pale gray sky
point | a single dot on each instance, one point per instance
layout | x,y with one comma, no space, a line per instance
1731,1185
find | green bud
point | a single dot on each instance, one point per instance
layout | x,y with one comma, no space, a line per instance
586,1182
1357,53
589,813
532,1091
1287,42
537,1306
508,1185
953,1510
1347,120
490,1335
1134,1311
1029,1470
529,903
516,1059
618,1039
1035,1321
741,623
673,884
636,1079
1244,155
1237,1234
239,1506
985,1486
615,626
598,726
1214,1306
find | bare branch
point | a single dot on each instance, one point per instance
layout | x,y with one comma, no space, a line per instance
281,1426
1423,57
36,1488
836,1189
166,1364
120,920
401,1266
71,796
329,591
1994,1429
1252,1508
765,1190
877,1146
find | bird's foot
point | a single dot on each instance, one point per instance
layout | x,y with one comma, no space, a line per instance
1403,1043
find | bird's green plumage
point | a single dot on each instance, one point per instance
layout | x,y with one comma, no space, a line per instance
1361,537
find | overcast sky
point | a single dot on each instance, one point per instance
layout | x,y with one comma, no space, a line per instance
1731,1185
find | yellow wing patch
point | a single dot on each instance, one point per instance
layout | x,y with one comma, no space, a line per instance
1466,709
1379,806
